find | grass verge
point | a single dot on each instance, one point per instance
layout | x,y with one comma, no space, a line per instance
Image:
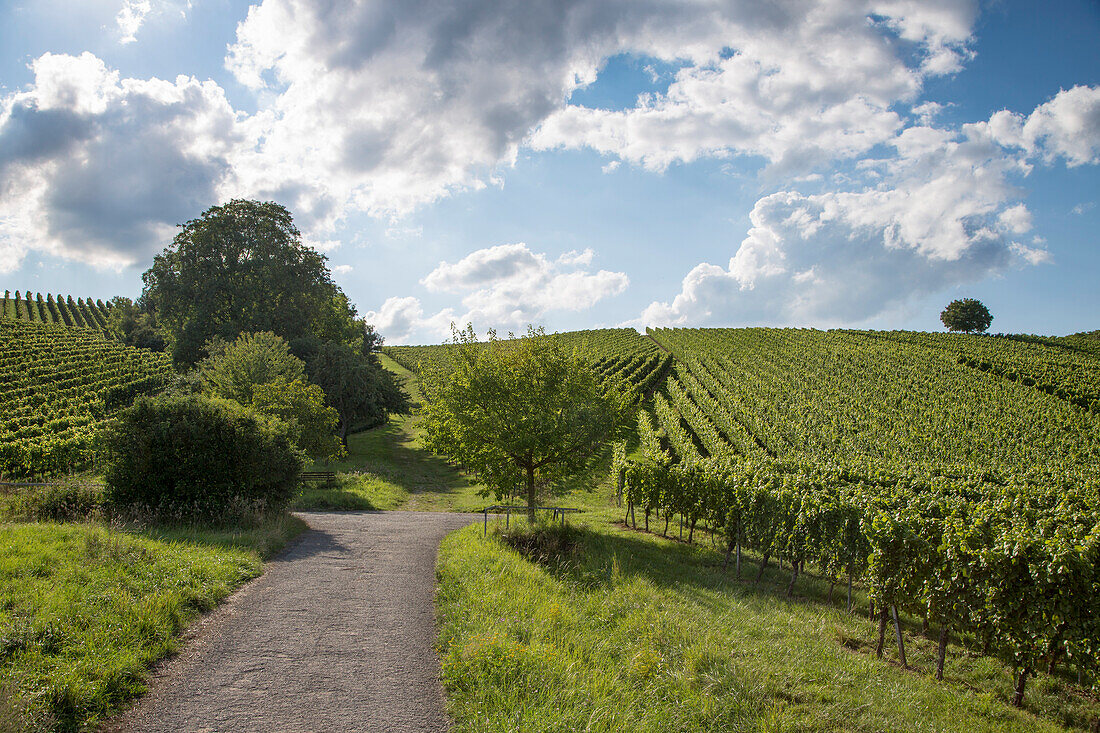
615,630
86,608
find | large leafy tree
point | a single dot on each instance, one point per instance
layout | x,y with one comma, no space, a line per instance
243,267
967,315
524,413
361,391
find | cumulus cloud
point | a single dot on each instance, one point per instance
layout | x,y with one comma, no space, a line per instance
798,85
1067,127
945,212
100,169
505,287
400,318
384,107
509,286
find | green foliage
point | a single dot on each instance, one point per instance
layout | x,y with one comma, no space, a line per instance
132,326
357,387
633,632
302,407
234,370
242,267
935,468
57,386
967,315
196,456
523,414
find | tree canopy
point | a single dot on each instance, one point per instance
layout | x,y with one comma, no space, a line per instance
242,267
967,315
234,370
523,413
361,391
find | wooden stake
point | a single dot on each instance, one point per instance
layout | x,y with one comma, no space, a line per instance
901,640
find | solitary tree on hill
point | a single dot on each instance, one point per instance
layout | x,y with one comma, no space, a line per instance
967,315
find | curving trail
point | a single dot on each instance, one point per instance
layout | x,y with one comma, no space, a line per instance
337,635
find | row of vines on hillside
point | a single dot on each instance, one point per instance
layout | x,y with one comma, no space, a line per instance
57,384
66,311
957,494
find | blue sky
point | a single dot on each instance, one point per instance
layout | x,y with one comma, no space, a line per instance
574,164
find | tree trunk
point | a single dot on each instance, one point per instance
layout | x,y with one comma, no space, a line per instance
691,529
901,639
531,503
941,653
666,523
794,577
763,565
647,520
1018,698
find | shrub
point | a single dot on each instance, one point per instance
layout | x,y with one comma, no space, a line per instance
191,455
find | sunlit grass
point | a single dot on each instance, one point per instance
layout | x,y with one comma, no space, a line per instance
85,609
629,631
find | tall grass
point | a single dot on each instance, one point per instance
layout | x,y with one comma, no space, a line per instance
85,609
613,630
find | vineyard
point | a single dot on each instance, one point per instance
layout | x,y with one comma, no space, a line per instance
956,477
616,353
60,310
57,384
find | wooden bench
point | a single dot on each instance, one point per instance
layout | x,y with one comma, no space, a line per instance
326,478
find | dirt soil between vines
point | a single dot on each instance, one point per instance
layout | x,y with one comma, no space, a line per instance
337,635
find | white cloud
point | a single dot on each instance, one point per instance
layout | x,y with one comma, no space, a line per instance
1081,208
100,169
130,18
505,287
385,107
803,86
1068,127
341,269
400,318
509,286
943,213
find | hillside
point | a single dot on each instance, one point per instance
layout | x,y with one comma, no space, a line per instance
62,310
57,384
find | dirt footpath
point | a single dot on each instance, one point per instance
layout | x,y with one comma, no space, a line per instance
337,635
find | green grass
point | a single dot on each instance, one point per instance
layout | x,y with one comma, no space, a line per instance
85,609
630,631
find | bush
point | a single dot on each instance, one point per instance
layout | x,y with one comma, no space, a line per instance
194,456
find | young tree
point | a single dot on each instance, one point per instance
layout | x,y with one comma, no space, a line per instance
234,370
520,412
361,391
967,315
242,267
301,406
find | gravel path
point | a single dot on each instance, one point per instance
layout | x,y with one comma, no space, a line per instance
337,635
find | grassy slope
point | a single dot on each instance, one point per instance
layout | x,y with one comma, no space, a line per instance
86,608
386,468
633,631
